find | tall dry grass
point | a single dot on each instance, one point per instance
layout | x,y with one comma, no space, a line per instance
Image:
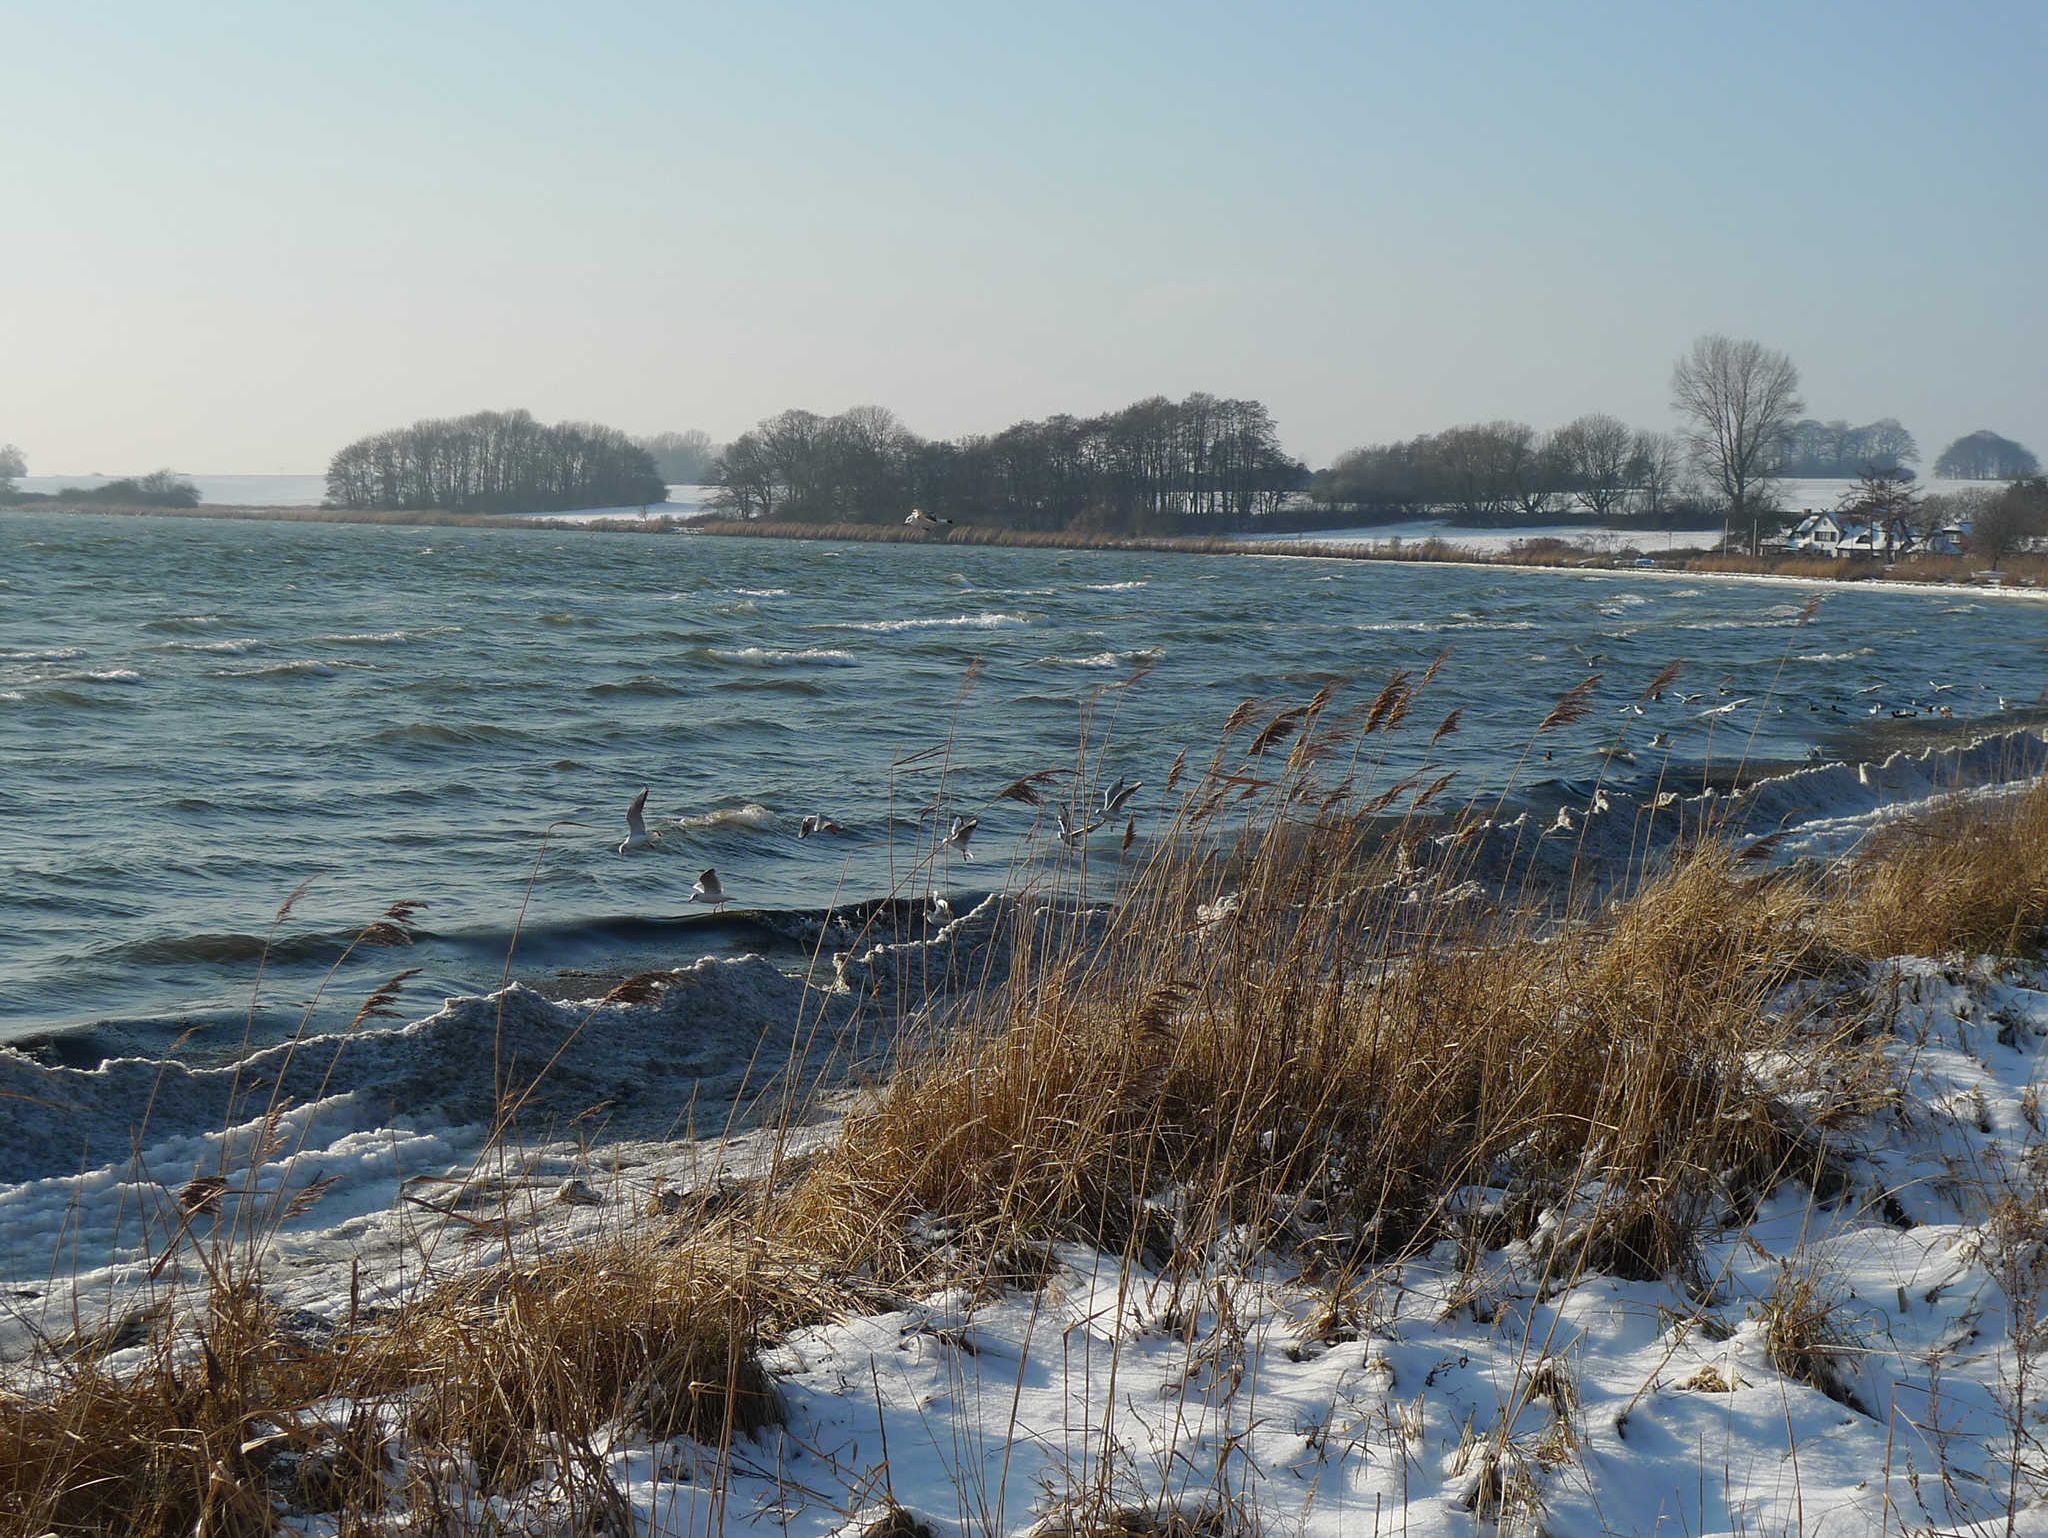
1971,878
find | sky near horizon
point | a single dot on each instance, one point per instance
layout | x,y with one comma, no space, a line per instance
234,237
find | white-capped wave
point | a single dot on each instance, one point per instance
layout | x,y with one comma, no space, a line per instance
1114,587
298,667
1432,626
1738,624
784,656
957,622
360,638
1107,659
43,654
230,647
762,592
99,676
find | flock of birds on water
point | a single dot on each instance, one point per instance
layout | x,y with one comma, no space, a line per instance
710,891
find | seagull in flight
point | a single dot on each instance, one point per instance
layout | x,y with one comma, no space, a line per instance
707,890
1728,709
637,836
1113,799
1070,835
963,831
920,519
817,822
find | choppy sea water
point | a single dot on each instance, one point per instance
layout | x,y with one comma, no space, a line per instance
198,717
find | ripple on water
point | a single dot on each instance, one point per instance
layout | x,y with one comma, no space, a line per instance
640,686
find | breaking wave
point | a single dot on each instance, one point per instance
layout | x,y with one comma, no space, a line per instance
957,622
782,656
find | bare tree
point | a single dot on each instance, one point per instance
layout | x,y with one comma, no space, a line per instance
1596,451
1656,462
12,463
2011,522
1740,400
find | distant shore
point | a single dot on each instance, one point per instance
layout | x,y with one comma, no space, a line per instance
1935,576
1947,576
405,517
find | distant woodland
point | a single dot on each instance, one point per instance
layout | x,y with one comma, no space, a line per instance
1204,463
1502,473
1837,451
494,462
682,459
1156,465
1984,456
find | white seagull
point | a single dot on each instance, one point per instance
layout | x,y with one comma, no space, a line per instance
1070,835
1114,798
963,831
637,836
920,519
707,890
817,822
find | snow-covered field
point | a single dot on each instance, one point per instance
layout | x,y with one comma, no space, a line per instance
1493,541
1799,496
1818,496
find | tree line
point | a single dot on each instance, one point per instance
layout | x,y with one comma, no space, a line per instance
1157,464
1837,451
1507,472
494,462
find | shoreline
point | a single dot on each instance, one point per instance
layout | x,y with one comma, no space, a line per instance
1013,539
1307,549
423,518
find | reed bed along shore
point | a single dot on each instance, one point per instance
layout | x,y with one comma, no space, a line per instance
1301,1185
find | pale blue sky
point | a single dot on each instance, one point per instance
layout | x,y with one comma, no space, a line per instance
233,237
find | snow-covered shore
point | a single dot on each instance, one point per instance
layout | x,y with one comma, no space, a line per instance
1445,1394
1848,1351
1458,1392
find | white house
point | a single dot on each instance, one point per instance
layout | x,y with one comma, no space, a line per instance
1842,535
